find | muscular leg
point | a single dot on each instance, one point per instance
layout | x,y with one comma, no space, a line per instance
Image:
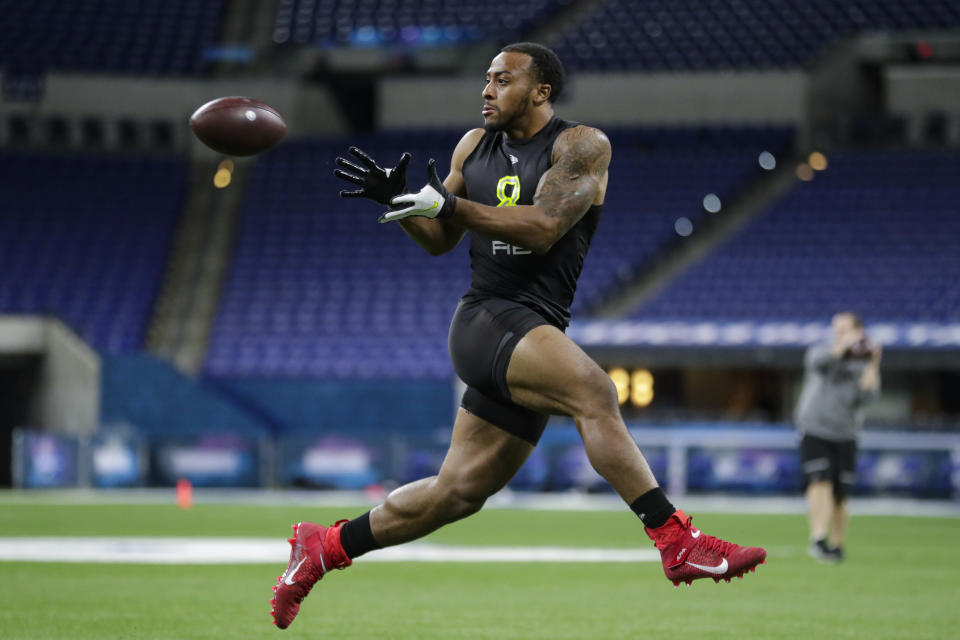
481,460
820,505
548,372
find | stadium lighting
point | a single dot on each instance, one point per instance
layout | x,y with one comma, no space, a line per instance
621,380
767,161
818,161
641,388
224,174
804,172
711,202
683,226
221,179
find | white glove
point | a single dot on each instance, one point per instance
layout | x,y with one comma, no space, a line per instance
432,201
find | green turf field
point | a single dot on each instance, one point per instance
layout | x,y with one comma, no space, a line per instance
900,581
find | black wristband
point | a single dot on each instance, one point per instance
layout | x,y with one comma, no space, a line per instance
449,205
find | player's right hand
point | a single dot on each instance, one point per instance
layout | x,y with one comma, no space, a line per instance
376,182
432,201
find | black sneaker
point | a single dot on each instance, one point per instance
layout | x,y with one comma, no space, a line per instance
822,552
837,553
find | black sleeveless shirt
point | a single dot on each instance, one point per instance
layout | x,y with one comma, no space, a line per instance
504,172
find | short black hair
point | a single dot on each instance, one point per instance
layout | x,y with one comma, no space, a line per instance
545,64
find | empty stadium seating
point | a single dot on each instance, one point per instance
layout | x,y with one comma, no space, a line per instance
672,35
618,34
656,177
877,232
85,237
317,288
407,23
154,37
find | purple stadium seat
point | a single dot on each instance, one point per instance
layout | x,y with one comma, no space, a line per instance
85,238
877,232
407,23
669,35
152,37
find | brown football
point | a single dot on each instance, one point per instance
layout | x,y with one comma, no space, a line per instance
238,126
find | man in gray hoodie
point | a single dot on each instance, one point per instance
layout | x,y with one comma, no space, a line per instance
840,378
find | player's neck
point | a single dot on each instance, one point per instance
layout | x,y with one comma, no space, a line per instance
531,126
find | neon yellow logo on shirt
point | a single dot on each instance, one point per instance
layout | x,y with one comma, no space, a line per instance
514,197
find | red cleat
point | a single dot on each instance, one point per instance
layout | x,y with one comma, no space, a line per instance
315,550
689,554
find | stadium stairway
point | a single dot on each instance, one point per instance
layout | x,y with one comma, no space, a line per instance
183,314
238,21
246,32
565,19
674,259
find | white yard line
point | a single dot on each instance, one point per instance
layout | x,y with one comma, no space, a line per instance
271,550
569,501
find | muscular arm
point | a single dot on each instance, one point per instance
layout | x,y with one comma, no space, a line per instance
438,235
577,180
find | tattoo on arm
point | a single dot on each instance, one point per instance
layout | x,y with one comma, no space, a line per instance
578,174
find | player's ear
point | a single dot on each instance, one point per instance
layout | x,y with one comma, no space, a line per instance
542,94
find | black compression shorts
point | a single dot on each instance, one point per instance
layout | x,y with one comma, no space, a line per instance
834,461
483,335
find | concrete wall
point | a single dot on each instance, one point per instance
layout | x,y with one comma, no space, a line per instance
609,99
920,91
454,101
70,382
21,335
913,89
67,399
307,110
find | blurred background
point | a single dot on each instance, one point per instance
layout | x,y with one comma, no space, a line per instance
169,313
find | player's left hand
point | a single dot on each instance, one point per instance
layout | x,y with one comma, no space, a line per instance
376,182
432,201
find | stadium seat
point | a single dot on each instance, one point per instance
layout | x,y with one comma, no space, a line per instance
150,37
407,23
876,233
85,237
676,35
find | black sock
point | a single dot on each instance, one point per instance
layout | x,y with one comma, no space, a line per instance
357,537
653,508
